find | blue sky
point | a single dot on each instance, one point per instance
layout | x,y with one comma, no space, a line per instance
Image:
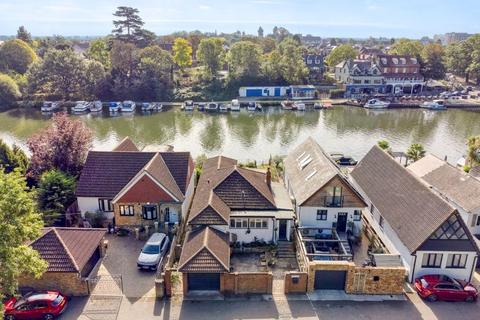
340,18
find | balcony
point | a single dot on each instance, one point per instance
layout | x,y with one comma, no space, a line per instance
333,201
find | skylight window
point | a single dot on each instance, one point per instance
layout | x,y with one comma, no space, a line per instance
303,153
305,161
311,175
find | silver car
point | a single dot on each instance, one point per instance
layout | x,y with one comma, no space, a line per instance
153,251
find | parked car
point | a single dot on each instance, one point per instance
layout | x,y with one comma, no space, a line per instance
442,287
346,161
469,88
36,305
153,251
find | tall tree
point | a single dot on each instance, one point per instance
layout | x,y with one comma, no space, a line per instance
128,24
407,47
182,53
473,151
124,59
24,35
211,54
16,55
294,69
458,59
9,92
21,223
94,78
340,53
63,145
98,50
244,60
433,61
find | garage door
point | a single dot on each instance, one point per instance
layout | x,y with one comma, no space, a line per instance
330,280
204,281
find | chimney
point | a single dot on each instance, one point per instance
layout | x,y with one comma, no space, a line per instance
268,178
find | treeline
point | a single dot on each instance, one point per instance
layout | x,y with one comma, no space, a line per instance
133,63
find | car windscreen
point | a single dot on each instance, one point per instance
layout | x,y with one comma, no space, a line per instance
57,301
151,249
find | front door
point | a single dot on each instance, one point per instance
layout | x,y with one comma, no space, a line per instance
282,229
342,222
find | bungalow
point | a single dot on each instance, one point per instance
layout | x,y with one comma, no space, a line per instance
71,254
231,204
323,196
135,188
426,230
458,188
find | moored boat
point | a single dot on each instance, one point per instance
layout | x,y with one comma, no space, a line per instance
157,106
188,105
258,106
114,106
299,106
235,106
434,105
95,106
317,106
201,106
376,104
50,106
212,106
251,106
147,106
287,105
222,107
128,106
80,107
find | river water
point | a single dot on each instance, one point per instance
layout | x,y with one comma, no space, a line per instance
256,136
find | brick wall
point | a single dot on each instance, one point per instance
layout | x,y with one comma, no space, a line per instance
68,283
297,286
137,219
246,282
325,265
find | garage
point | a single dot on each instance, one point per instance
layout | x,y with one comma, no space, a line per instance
204,281
330,280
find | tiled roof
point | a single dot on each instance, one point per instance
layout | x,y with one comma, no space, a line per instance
67,249
205,250
126,145
450,182
388,60
412,210
159,170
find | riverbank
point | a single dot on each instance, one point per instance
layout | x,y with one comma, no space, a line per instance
415,104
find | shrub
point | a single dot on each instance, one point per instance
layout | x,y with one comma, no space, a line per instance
337,93
9,91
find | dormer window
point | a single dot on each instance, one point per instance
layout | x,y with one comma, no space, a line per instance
395,60
403,61
384,60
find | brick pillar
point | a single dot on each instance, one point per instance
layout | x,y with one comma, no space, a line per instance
167,276
185,283
270,283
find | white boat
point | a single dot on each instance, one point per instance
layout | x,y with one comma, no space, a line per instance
188,105
114,106
376,104
317,106
128,106
252,106
235,106
212,106
287,105
49,106
80,107
157,106
147,106
95,106
258,106
222,107
434,105
299,106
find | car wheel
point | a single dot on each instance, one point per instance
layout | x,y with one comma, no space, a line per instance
48,316
432,298
10,317
470,299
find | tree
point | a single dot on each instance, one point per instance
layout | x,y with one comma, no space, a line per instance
55,42
211,54
245,60
9,91
473,151
268,44
383,144
260,32
182,53
144,38
61,73
415,152
16,55
292,64
24,35
473,45
56,191
124,59
339,54
458,59
128,24
21,223
98,51
433,61
95,76
63,145
12,158
407,47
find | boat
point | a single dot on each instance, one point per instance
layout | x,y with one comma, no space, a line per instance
376,104
252,106
317,106
235,106
157,106
201,106
188,105
128,106
147,106
222,107
80,107
327,105
49,106
114,106
299,106
287,105
95,106
434,105
212,106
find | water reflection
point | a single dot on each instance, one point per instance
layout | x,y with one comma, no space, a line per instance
257,135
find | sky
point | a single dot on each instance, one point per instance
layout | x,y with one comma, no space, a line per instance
333,18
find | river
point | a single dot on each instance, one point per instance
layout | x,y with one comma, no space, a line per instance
256,136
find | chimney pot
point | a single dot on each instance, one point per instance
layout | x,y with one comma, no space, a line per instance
268,178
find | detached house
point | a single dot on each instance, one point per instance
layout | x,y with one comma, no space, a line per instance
135,188
426,230
458,188
361,77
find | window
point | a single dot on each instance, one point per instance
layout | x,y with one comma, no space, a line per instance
381,222
366,81
239,223
357,215
105,205
126,210
456,261
372,208
149,212
167,214
258,223
432,260
478,221
322,214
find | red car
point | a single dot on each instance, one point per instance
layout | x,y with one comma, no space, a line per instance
441,287
36,305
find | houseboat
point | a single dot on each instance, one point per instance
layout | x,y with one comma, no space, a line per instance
222,107
95,106
114,106
49,106
188,105
252,106
212,106
299,106
80,107
434,105
376,104
287,105
235,106
128,106
201,106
